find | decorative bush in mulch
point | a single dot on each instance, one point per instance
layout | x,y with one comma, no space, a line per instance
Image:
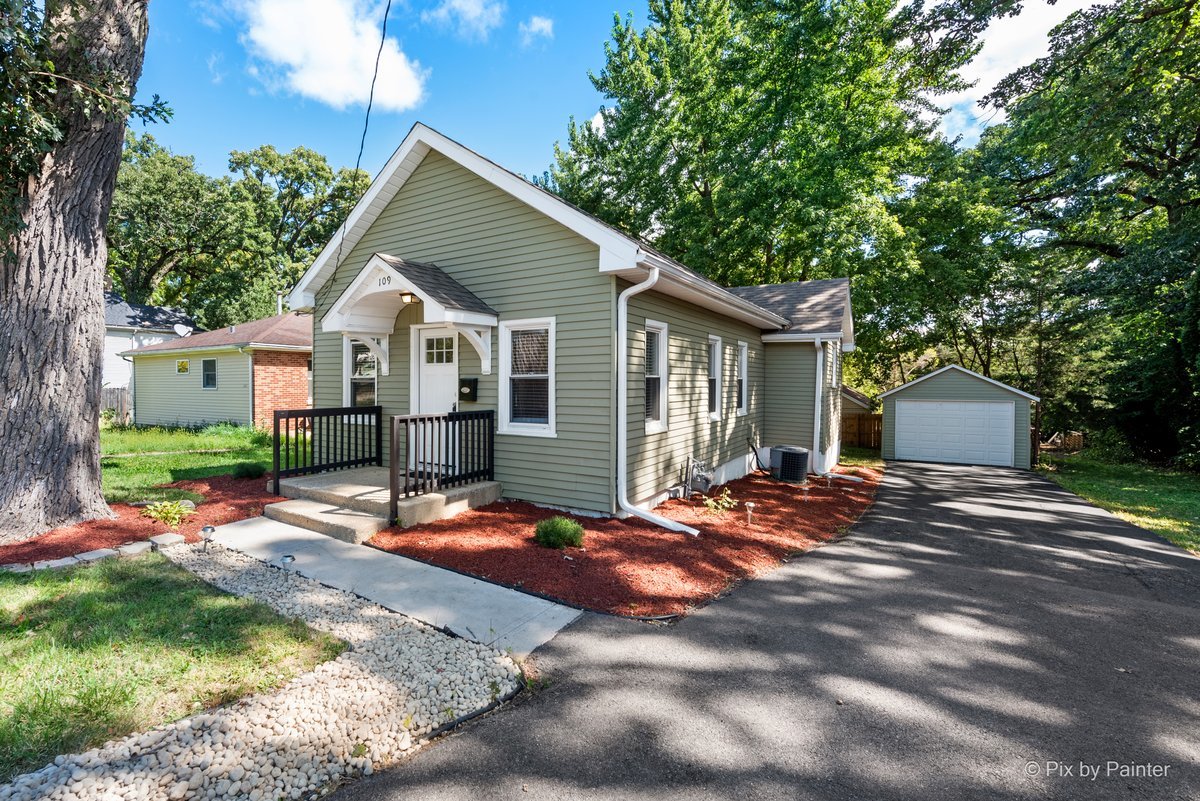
226,499
631,567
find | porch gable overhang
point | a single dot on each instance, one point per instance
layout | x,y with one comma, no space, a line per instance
368,307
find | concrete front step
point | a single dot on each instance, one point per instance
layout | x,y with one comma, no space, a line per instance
348,525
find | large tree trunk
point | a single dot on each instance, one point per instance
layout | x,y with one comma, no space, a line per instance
51,288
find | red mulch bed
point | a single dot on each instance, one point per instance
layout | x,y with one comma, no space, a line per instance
226,499
632,567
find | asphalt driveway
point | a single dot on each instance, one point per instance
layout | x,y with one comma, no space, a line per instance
980,634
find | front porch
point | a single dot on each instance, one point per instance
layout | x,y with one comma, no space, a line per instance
330,463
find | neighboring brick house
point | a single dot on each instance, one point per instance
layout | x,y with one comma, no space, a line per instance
239,374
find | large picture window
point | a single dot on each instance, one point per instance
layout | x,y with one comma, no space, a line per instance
657,346
527,377
714,377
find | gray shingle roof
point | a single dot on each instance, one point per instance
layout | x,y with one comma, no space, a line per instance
442,288
813,307
292,330
120,313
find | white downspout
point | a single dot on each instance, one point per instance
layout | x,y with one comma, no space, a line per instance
817,411
623,409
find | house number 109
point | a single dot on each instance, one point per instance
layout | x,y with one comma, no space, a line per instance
385,280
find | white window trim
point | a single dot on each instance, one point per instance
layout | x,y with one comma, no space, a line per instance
506,426
664,378
743,373
216,380
719,390
348,366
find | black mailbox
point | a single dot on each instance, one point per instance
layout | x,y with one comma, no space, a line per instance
468,389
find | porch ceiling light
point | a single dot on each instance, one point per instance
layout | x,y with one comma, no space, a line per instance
408,297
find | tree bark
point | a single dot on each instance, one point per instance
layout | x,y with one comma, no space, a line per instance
51,287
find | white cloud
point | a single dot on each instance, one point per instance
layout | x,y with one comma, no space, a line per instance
325,50
214,61
1008,44
474,19
534,28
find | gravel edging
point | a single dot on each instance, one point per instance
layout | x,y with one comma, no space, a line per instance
398,683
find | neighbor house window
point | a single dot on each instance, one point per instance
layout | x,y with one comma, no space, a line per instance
714,377
183,366
363,370
527,377
208,373
743,365
657,346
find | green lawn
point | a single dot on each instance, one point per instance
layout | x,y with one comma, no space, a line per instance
97,652
1163,501
861,457
129,475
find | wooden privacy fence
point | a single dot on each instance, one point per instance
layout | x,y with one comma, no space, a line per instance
862,430
117,399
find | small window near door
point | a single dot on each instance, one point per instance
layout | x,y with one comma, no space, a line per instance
363,389
439,350
208,373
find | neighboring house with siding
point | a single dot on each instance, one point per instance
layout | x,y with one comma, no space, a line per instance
135,325
609,366
239,374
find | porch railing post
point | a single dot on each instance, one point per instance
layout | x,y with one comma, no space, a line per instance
379,435
275,454
393,470
491,446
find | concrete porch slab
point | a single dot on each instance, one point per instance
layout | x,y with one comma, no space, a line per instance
476,610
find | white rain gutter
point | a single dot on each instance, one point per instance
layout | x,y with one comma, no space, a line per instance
623,410
817,411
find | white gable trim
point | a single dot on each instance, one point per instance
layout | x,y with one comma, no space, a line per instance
616,250
971,373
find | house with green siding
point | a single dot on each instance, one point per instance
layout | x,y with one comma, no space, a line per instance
613,372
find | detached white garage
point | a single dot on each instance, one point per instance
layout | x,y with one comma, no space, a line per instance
955,415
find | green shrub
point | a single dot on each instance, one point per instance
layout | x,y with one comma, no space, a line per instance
558,532
1109,446
249,470
171,513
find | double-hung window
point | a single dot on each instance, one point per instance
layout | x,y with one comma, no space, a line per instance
208,373
362,386
743,369
527,377
657,349
714,377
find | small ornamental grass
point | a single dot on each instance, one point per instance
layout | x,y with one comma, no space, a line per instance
559,532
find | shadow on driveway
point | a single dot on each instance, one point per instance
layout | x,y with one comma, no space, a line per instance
978,630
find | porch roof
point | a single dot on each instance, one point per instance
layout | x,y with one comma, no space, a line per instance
439,286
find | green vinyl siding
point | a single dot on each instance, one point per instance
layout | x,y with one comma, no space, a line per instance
162,397
791,392
658,460
524,265
954,385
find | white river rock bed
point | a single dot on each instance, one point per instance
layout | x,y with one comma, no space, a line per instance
398,681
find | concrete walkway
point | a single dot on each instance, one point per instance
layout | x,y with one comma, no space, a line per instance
977,634
502,618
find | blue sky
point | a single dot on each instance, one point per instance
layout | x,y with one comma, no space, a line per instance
501,76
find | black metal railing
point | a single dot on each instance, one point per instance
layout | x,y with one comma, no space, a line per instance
435,451
315,440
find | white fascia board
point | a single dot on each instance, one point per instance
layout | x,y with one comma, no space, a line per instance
615,248
704,293
784,336
971,373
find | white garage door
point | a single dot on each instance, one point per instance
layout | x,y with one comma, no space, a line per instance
966,432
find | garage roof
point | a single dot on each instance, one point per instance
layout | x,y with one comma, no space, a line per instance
971,373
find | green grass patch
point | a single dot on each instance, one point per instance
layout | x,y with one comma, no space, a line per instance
224,436
861,457
101,651
1164,501
134,461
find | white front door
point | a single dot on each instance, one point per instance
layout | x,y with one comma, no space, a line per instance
964,432
437,393
437,384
